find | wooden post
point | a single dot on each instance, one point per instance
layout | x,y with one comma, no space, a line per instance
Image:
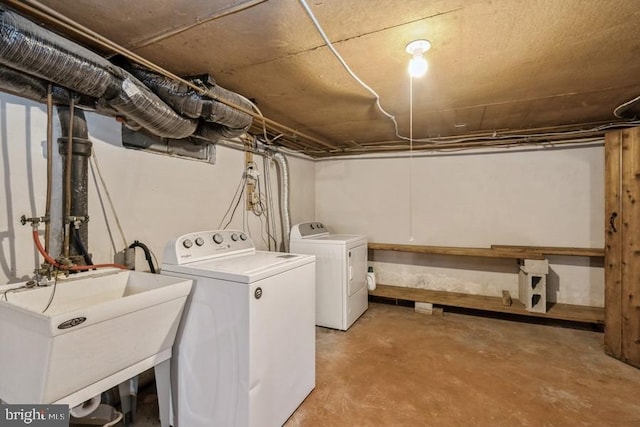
622,245
630,248
613,247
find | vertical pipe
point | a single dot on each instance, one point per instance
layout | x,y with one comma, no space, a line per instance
67,181
47,213
76,161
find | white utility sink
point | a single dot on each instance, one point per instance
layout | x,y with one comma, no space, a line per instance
101,328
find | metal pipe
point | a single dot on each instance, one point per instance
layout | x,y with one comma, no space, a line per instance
45,13
137,44
67,182
76,150
377,154
47,208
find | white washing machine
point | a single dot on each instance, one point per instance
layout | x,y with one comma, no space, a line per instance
244,353
341,272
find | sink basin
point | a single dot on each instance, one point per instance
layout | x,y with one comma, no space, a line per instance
99,323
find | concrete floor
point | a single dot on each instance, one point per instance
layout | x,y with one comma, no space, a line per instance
395,367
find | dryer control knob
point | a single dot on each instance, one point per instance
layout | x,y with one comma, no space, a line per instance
187,243
199,241
218,238
234,237
243,237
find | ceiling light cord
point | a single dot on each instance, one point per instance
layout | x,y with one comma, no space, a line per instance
346,67
410,158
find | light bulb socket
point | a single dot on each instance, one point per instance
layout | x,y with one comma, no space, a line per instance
418,47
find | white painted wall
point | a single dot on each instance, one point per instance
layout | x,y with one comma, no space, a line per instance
156,197
541,197
530,197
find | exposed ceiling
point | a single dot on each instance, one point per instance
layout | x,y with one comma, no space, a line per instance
494,67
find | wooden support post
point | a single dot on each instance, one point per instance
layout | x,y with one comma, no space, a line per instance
622,245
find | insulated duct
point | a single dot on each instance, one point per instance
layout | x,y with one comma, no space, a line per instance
30,48
20,84
187,102
283,187
212,132
33,88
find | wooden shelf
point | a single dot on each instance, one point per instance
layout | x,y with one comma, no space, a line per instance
515,253
554,250
575,313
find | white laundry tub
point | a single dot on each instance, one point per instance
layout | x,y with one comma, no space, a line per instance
99,324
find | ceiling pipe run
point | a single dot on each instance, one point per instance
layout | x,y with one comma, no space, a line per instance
201,20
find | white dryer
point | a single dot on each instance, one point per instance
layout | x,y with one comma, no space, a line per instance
244,353
341,272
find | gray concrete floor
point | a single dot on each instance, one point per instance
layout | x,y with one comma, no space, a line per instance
395,367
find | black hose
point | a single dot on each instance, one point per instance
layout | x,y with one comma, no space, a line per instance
75,236
147,253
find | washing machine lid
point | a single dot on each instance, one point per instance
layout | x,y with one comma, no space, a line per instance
317,232
242,268
336,239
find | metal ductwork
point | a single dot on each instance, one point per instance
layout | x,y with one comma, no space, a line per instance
28,48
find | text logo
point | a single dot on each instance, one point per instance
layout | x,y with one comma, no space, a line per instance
71,323
34,415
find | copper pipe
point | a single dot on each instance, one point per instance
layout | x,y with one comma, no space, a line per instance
47,208
165,34
41,11
459,146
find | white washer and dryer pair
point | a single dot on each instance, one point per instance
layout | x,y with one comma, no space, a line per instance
244,353
341,272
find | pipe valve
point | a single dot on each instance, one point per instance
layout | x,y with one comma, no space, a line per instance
77,220
35,221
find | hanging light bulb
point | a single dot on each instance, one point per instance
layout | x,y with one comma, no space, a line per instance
418,65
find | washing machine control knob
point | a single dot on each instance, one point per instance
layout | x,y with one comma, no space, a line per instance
199,241
218,238
234,237
187,243
243,237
